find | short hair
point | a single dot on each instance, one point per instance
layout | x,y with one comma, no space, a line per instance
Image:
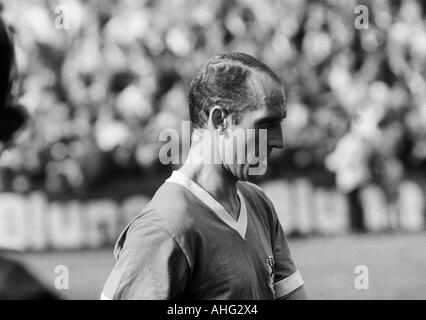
223,81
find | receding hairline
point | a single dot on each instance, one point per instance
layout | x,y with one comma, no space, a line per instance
245,61
254,72
256,69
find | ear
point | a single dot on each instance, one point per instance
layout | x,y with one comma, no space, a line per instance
217,118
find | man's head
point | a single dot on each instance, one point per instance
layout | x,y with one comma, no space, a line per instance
235,92
12,116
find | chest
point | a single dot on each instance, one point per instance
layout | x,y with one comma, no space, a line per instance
227,266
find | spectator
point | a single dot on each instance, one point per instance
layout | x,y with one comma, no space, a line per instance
121,70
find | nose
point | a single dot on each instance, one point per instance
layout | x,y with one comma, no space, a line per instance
275,138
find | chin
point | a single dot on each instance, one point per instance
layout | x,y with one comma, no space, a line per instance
237,173
243,179
243,173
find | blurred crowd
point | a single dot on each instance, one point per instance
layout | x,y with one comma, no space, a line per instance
102,78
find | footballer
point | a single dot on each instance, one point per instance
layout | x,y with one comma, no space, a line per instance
207,233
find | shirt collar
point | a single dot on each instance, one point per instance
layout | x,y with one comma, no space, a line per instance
240,226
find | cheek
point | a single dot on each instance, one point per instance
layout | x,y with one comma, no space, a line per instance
234,147
253,144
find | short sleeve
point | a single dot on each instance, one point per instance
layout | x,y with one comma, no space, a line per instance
151,265
286,276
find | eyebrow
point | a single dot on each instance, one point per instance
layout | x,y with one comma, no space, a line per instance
271,119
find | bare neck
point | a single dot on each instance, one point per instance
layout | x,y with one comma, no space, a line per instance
217,182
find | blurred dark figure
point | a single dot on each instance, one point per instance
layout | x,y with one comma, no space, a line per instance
16,283
386,165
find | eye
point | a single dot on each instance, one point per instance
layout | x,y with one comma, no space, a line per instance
272,124
263,126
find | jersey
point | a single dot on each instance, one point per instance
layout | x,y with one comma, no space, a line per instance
185,245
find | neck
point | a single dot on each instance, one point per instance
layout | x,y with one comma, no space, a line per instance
213,178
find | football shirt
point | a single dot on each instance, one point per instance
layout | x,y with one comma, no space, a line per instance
185,245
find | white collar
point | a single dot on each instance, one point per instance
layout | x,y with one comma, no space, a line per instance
240,226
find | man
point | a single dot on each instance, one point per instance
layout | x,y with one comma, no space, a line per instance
207,233
15,281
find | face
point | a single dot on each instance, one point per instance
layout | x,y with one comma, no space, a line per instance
261,129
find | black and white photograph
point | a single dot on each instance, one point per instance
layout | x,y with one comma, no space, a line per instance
212,150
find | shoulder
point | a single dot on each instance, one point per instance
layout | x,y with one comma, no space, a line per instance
255,192
260,202
168,216
171,209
